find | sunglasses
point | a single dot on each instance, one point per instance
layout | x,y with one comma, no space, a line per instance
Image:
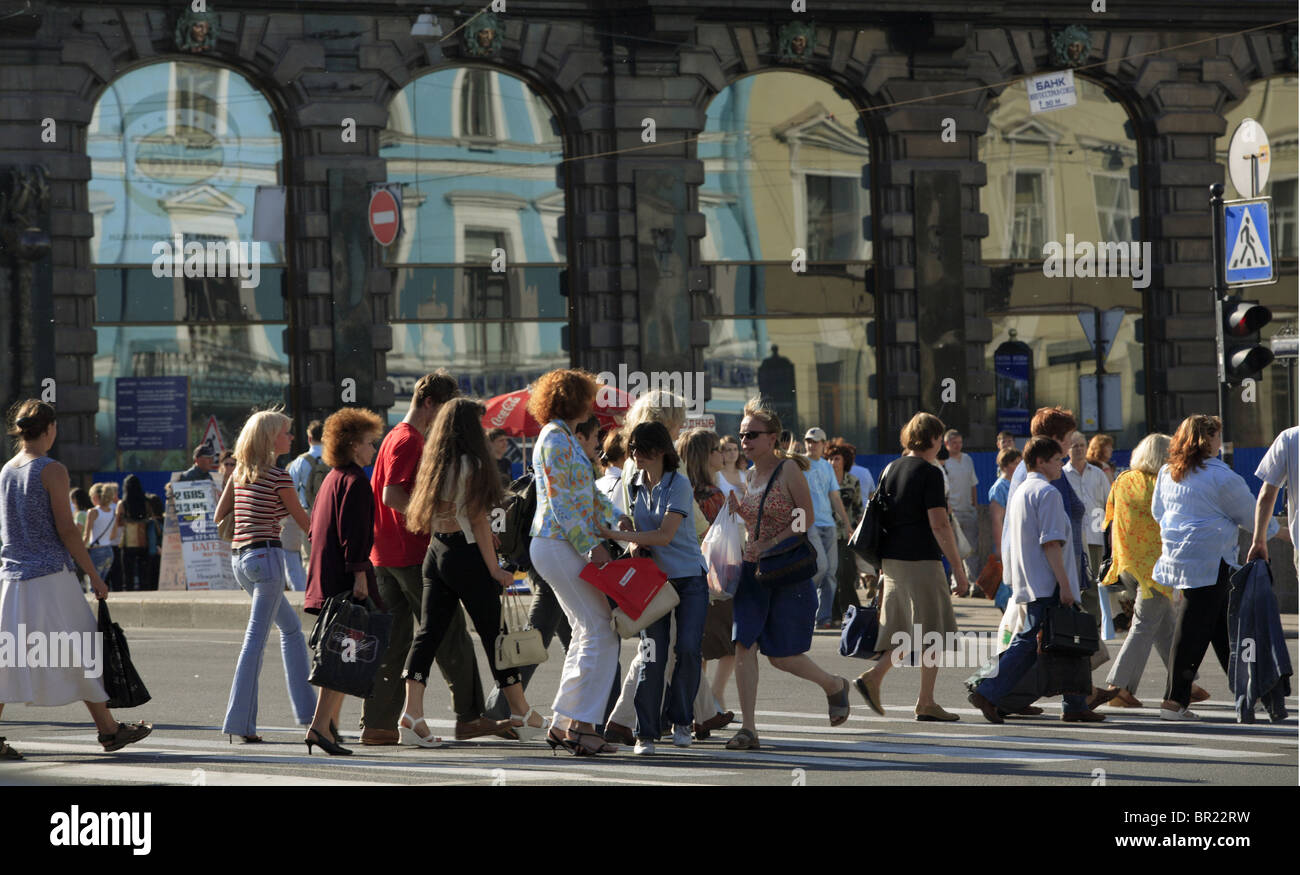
751,435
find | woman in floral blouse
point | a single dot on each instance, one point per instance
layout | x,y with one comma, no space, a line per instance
1135,547
565,537
842,457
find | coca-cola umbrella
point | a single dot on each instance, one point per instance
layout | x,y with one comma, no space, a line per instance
509,412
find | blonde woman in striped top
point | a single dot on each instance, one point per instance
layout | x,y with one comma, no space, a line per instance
260,494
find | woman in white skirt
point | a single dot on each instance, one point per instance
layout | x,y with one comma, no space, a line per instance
39,594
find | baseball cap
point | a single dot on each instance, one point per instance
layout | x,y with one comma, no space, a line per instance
815,434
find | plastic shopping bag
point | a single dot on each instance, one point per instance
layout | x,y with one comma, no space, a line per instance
723,545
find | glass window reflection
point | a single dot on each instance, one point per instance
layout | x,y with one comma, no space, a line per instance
232,370
784,167
179,148
815,372
476,152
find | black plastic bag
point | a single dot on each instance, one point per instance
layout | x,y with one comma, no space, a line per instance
121,680
347,643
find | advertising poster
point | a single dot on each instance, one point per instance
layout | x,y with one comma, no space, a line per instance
152,413
205,556
1011,365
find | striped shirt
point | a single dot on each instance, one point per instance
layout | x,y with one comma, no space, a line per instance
258,509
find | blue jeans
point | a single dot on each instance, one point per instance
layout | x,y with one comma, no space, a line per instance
693,593
294,571
1020,656
823,539
260,573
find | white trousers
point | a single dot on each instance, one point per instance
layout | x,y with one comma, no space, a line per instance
591,661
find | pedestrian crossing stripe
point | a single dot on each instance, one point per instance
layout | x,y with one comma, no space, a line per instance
1246,228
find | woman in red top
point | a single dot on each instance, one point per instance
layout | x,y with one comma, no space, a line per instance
342,533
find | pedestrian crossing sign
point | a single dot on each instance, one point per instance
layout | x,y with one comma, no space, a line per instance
1248,243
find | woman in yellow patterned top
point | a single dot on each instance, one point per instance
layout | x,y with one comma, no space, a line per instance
1135,547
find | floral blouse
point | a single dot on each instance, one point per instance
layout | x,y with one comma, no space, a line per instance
1135,538
569,506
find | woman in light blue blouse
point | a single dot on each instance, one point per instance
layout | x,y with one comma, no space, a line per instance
1200,503
662,499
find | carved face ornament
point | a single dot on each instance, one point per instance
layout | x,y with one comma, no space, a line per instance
485,37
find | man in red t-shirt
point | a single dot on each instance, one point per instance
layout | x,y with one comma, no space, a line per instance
397,557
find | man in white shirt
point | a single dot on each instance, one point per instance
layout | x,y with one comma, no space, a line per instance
1036,541
963,487
1279,468
1092,486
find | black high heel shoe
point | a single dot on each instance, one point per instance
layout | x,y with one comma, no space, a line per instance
332,748
562,740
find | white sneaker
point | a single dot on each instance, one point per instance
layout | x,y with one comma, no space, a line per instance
1180,714
682,736
644,747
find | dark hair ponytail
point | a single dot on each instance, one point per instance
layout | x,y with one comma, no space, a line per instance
30,419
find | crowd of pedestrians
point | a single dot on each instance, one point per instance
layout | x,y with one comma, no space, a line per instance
415,538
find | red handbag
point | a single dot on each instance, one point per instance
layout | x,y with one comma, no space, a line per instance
631,583
990,577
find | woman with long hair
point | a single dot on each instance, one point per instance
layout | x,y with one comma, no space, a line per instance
456,487
1199,503
154,540
777,620
565,538
39,595
132,517
732,477
260,494
701,454
1135,547
914,597
342,533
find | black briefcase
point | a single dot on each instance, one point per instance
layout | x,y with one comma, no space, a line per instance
1069,632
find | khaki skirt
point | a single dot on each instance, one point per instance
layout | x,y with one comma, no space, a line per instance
913,593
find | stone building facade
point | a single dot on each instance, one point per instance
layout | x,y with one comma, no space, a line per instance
605,66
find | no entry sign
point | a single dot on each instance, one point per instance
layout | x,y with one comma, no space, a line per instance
385,217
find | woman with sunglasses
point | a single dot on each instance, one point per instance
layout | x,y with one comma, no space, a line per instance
776,620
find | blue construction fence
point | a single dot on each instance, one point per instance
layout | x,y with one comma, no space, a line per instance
1244,461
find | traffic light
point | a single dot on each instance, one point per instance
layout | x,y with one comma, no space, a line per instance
1242,354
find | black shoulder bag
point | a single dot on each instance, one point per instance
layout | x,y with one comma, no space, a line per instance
866,538
791,560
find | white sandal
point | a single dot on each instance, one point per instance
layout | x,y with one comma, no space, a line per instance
528,732
410,736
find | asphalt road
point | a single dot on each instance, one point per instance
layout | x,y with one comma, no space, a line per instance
189,674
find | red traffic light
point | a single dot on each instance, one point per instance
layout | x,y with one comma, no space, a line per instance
1246,318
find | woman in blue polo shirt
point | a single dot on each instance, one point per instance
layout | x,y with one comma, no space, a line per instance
662,499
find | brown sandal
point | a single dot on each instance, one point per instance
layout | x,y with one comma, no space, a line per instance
7,752
744,739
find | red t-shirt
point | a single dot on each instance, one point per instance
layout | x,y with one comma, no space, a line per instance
396,464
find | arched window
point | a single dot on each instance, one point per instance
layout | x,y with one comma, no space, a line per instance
478,263
1272,103
787,205
190,316
1064,246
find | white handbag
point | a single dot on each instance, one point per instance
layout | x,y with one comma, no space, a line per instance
663,602
518,644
